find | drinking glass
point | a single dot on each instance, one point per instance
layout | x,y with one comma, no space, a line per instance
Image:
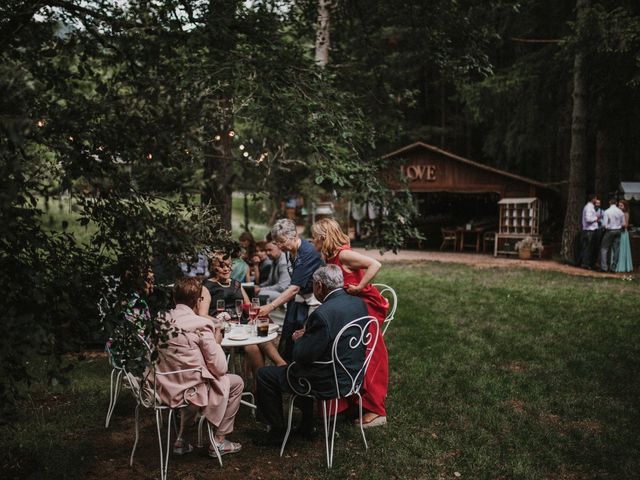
255,308
238,310
220,306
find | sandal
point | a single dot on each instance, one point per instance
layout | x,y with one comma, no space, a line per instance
182,448
376,422
224,448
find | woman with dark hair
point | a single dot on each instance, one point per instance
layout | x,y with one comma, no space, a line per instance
220,286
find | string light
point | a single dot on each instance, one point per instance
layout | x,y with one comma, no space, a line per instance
262,157
232,133
100,148
217,138
70,138
245,154
41,123
149,156
241,147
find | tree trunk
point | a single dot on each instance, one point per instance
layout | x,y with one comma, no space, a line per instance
603,166
577,156
218,169
218,179
246,212
322,33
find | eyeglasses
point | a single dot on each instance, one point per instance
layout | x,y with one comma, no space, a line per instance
224,265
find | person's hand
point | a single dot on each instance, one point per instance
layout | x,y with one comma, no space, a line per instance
256,289
353,289
223,317
297,334
265,310
217,334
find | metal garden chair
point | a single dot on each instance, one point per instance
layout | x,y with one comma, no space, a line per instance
390,294
364,333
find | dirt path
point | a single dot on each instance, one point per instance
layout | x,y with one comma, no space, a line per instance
486,261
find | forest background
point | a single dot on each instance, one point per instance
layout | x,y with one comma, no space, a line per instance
146,115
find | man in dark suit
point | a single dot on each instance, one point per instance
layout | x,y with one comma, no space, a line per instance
312,344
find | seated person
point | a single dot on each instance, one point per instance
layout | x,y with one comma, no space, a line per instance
313,344
279,278
260,264
220,286
239,266
213,391
134,317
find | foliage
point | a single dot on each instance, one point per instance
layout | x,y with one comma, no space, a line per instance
508,373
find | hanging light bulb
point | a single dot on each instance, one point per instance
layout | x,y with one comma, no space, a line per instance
149,156
241,147
245,154
217,138
70,138
232,133
41,123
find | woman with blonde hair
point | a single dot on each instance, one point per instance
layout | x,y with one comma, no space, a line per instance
359,270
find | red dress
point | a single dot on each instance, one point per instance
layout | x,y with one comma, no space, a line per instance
374,390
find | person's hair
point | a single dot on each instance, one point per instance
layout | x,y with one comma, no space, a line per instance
625,203
134,279
613,201
330,276
248,237
268,238
261,245
187,291
594,196
331,234
215,259
284,228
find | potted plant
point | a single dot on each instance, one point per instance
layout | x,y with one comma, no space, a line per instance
527,247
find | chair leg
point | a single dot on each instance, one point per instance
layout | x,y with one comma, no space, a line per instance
364,438
135,442
290,418
114,392
158,422
166,460
200,422
212,440
251,403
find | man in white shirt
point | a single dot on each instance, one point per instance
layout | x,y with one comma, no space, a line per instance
613,221
589,227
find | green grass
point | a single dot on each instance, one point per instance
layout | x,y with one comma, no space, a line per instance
494,373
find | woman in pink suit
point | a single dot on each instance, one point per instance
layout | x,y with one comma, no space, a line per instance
212,390
359,270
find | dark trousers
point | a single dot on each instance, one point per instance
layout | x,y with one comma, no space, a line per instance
587,247
610,242
272,383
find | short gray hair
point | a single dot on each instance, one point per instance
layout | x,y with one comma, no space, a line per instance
284,228
330,276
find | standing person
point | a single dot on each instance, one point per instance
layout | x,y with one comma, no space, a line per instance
589,228
613,223
212,390
299,298
625,263
358,271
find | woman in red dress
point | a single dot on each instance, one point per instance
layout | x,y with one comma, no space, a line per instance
359,270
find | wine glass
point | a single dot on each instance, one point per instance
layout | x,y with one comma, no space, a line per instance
255,308
238,310
219,306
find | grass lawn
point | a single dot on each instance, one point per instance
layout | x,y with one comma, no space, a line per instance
494,373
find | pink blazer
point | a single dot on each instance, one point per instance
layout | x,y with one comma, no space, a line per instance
195,346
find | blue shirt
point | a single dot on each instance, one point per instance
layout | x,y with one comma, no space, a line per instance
304,265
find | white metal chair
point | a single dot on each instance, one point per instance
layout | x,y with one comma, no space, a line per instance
146,396
390,294
363,333
115,385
